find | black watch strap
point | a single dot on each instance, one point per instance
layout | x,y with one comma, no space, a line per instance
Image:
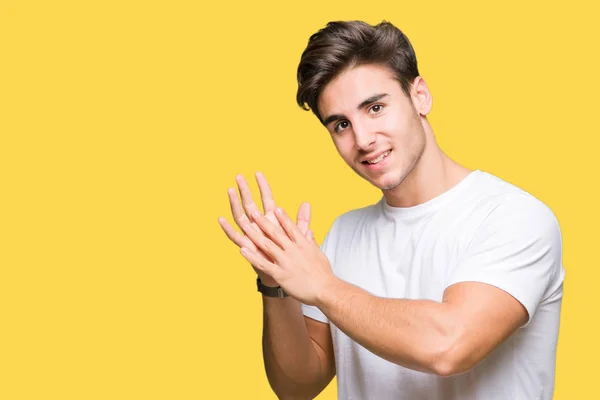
270,291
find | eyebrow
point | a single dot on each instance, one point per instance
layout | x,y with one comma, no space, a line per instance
362,104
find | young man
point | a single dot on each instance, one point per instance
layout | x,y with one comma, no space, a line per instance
449,287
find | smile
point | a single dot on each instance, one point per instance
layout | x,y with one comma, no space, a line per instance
378,159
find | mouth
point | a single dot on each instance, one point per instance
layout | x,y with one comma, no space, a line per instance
377,159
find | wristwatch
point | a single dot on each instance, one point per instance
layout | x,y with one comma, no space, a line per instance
270,291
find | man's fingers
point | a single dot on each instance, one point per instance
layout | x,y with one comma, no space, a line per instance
262,242
235,236
239,216
247,201
265,193
271,217
259,262
271,230
266,197
243,210
291,229
239,239
303,218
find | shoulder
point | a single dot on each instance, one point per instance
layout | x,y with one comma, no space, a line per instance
516,246
512,221
510,205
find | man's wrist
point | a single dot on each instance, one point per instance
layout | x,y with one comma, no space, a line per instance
270,291
267,281
331,293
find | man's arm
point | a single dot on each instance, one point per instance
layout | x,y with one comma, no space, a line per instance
297,350
444,338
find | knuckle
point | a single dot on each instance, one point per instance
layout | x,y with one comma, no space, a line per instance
269,246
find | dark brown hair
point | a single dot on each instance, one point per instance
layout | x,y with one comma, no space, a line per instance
345,44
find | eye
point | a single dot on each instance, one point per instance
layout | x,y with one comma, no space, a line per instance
340,126
376,109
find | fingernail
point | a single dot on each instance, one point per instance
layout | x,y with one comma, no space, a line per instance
244,251
246,227
279,210
255,214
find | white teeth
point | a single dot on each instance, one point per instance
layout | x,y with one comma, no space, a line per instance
381,157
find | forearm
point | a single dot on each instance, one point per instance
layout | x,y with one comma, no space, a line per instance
291,361
417,334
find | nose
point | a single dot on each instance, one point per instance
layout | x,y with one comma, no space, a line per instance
364,136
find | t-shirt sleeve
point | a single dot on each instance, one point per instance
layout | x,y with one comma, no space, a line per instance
517,248
312,311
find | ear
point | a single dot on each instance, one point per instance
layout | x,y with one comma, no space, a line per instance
421,97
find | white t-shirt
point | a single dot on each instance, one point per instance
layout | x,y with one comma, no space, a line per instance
483,229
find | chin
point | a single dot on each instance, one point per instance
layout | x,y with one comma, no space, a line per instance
388,182
390,185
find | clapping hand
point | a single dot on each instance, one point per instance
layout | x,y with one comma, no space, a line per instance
242,215
291,258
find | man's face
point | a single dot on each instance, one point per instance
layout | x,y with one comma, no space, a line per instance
374,124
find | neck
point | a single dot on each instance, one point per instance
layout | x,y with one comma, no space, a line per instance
433,174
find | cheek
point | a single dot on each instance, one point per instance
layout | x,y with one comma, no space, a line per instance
395,125
401,130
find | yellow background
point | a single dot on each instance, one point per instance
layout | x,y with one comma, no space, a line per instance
123,123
